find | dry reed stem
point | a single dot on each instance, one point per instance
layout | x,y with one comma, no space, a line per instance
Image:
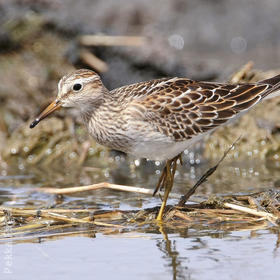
105,40
205,176
49,214
270,217
48,235
104,185
238,76
93,61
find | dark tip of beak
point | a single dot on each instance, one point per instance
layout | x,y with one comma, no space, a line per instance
51,108
34,123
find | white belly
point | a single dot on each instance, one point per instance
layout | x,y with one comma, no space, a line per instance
162,150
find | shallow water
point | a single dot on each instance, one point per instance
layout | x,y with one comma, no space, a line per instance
237,255
200,252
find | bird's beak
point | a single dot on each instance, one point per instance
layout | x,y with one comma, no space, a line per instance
51,108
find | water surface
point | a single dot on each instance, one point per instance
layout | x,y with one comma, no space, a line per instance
198,252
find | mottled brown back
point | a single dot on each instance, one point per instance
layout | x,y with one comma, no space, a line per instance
182,108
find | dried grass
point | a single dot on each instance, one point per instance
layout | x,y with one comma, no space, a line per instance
224,213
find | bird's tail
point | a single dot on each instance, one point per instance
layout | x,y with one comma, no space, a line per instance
273,89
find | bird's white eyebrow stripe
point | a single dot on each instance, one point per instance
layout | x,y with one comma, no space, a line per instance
84,80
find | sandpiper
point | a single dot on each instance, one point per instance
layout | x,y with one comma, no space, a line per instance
156,119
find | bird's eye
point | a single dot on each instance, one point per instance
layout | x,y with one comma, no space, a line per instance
77,87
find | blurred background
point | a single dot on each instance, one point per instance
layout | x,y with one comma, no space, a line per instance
40,41
129,41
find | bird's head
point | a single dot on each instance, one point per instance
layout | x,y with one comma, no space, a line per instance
82,89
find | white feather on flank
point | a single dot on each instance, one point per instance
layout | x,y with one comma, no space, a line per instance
164,149
272,95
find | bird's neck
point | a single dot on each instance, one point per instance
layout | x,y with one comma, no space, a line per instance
91,108
98,118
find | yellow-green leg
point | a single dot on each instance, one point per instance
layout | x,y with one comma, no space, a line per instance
166,181
167,188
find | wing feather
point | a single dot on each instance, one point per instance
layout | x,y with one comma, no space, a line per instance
182,108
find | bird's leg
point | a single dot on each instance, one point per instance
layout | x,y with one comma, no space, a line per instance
166,180
167,188
161,181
